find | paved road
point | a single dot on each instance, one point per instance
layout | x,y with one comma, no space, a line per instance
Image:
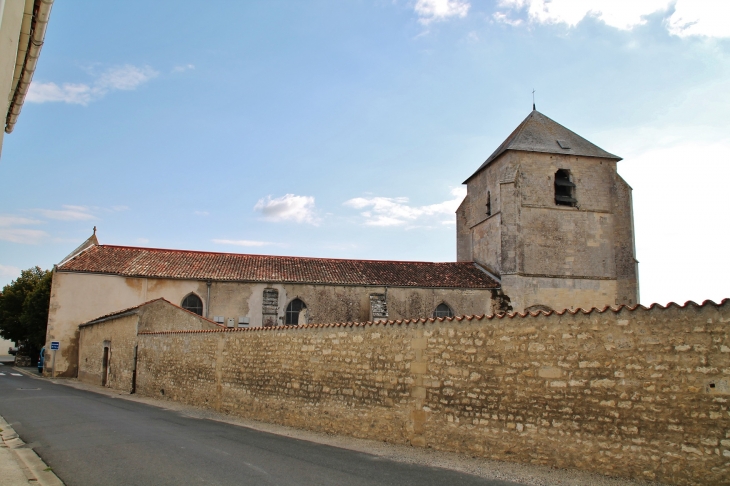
93,439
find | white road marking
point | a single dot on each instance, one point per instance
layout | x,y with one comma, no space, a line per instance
2,374
16,374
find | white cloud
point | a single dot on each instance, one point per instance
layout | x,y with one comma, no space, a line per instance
68,213
9,231
9,271
16,220
690,17
434,10
124,78
505,19
201,213
142,241
243,242
709,18
183,68
616,13
120,208
395,211
22,235
288,208
79,94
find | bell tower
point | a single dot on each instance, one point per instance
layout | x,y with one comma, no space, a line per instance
548,214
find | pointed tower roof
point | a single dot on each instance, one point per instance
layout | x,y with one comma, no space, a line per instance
538,133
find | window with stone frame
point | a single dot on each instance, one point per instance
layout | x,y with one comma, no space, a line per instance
193,303
443,310
294,315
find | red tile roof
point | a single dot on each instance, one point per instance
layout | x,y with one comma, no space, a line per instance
197,265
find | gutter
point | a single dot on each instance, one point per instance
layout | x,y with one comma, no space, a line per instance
39,23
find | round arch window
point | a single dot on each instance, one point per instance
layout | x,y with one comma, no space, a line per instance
294,312
193,303
443,310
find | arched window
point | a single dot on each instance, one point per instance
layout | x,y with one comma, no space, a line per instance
443,310
564,189
193,303
293,311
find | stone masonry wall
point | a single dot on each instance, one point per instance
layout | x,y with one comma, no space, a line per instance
629,392
120,335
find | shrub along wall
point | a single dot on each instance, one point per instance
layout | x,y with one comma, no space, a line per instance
630,392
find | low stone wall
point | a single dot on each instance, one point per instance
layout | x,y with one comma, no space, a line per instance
629,392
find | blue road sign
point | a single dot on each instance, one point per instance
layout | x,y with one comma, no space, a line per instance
55,345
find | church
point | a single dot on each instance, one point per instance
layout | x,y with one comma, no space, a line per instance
546,224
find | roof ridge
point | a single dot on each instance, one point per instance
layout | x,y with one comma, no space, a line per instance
207,252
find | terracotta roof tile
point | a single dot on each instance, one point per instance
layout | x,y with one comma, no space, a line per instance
198,265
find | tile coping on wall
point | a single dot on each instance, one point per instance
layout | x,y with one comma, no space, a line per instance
424,320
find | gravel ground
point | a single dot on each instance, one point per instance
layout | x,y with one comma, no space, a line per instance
506,471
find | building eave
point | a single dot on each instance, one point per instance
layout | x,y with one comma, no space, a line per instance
28,53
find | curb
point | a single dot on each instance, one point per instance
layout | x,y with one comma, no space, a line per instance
33,466
27,373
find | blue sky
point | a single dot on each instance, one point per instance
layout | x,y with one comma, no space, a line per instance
345,128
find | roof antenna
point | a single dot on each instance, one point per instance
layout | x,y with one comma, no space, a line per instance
533,99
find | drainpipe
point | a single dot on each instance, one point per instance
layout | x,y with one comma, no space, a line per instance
207,303
38,32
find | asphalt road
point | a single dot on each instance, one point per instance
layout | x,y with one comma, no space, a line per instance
93,439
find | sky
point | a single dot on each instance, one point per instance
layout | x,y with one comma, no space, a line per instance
345,128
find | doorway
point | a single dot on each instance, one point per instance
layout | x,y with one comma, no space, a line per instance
105,366
134,371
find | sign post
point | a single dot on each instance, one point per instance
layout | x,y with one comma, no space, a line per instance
55,346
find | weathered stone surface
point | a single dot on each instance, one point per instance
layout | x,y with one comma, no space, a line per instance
547,254
119,334
640,393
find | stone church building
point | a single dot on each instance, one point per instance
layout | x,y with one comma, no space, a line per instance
546,223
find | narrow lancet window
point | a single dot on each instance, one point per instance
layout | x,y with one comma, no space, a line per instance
489,203
564,189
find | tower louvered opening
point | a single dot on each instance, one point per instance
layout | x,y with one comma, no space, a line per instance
564,189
